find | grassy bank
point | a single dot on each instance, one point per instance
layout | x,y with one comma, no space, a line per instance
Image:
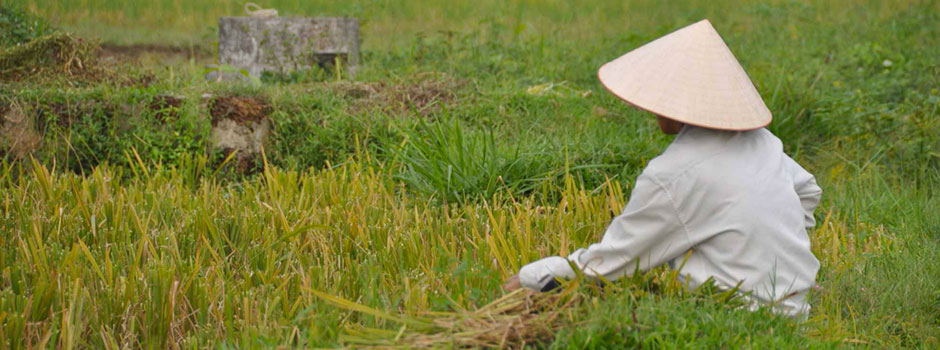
475,139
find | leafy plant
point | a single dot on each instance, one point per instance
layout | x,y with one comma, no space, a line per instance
17,26
447,161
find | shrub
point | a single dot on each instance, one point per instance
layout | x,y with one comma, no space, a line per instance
19,27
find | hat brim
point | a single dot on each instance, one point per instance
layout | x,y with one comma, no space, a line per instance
665,115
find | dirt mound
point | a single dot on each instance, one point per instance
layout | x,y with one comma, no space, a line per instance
53,54
243,110
424,97
135,51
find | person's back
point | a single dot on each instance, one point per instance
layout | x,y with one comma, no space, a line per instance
723,194
736,193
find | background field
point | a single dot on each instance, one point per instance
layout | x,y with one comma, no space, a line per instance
475,139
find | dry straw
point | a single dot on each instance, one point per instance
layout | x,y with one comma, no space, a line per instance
519,318
512,321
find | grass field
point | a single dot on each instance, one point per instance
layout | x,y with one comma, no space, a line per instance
475,139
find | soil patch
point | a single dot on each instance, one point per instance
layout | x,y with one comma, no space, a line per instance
126,52
244,110
423,97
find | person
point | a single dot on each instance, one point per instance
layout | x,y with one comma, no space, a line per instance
723,201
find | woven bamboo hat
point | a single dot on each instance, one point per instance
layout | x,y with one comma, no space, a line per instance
690,76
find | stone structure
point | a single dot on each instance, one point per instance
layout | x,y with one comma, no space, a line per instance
248,139
284,44
240,123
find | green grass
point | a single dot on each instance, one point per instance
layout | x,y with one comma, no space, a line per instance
680,323
124,233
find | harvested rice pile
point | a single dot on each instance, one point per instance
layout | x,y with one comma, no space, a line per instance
512,321
518,319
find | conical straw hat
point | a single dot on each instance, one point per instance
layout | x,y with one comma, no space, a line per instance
690,76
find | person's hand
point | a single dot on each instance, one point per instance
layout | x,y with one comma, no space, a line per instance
512,283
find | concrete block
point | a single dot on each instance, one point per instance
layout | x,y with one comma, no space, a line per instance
240,123
285,44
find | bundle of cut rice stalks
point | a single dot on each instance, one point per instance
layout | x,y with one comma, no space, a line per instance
521,317
515,320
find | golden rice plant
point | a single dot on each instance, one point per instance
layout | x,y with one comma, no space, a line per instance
839,246
162,257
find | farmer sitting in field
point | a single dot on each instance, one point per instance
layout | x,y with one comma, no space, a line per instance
723,201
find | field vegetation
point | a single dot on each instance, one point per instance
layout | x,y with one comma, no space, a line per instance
386,211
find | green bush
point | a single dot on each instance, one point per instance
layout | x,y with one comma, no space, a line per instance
19,27
84,129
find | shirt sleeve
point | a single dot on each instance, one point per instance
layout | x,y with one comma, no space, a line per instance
806,188
647,234
539,274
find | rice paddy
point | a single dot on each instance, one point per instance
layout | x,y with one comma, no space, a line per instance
386,212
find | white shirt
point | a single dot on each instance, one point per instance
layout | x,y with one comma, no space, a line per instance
734,199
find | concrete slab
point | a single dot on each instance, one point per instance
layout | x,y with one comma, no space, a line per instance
285,44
